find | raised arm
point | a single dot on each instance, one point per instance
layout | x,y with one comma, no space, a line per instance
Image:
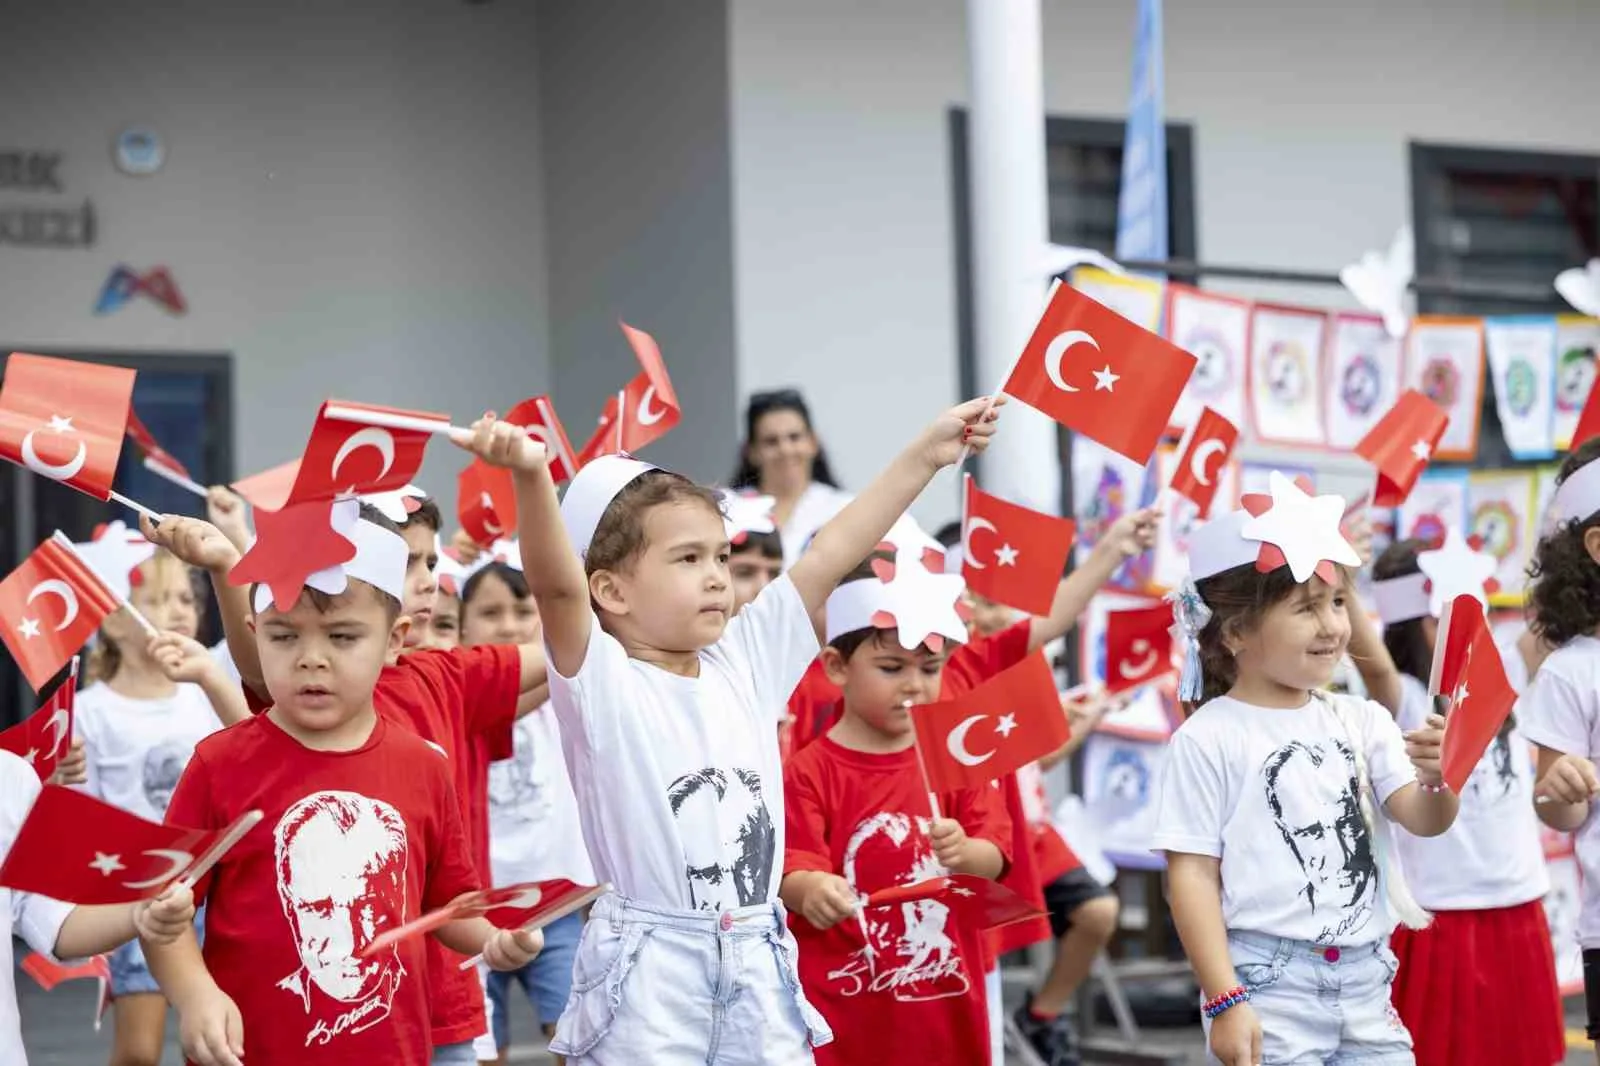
850,536
1129,535
203,545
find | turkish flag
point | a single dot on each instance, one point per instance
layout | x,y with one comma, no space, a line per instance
498,516
1138,646
65,419
528,905
475,507
76,849
988,732
1097,373
42,739
1205,452
49,973
1589,420
1401,444
1013,555
153,451
1467,669
976,902
648,406
346,458
49,608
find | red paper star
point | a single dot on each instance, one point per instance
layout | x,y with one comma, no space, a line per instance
290,546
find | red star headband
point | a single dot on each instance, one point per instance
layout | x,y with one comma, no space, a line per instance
380,559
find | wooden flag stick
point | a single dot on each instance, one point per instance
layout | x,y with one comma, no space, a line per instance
135,505
246,822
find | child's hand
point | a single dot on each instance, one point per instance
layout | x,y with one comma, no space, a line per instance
949,843
73,769
1085,710
211,1029
828,902
1236,1036
196,542
512,949
1423,747
1132,534
1570,779
225,510
502,444
163,919
963,426
1357,529
181,658
466,548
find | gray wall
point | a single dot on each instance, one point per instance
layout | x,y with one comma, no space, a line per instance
351,204
638,194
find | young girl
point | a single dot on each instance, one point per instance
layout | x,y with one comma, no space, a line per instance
1560,712
533,815
667,709
1478,986
148,702
1281,884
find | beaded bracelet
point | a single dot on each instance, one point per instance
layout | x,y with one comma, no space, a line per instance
1434,789
1231,998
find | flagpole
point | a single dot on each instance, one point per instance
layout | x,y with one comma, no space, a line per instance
161,470
582,900
622,398
122,601
389,420
235,833
135,505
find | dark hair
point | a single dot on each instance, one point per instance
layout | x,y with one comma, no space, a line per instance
619,537
1564,598
509,576
1406,642
745,475
949,534
766,545
323,602
427,514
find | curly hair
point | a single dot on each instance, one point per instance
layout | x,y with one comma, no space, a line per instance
1406,642
1564,597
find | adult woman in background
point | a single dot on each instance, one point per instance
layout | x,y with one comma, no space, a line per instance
782,458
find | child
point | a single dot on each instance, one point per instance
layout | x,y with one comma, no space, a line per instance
444,629
362,833
1478,986
858,819
755,558
148,702
1560,712
1274,802
667,705
60,930
533,815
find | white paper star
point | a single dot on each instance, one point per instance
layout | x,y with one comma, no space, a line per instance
922,602
1007,723
106,864
29,628
393,504
1006,555
1304,528
1422,450
1105,379
60,425
114,555
1455,569
744,513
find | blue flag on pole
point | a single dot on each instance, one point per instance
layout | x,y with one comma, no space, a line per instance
1142,202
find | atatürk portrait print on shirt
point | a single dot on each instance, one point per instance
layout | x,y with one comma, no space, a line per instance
728,837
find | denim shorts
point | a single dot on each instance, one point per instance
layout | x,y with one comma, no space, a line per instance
130,974
1322,1006
687,988
460,1054
546,981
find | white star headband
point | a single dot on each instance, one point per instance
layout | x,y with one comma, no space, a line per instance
591,491
1289,527
913,595
114,555
397,506
744,513
1458,568
380,559
1579,496
452,573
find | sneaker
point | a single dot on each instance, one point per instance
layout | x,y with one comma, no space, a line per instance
1055,1041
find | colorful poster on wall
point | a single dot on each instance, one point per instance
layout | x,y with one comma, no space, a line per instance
1444,361
1286,352
1120,778
1500,510
1138,299
1216,331
1171,556
1522,361
1438,503
1577,341
1105,486
1363,367
1256,477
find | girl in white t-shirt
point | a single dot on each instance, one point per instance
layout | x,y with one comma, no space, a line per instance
1274,804
667,702
1478,986
1560,712
148,701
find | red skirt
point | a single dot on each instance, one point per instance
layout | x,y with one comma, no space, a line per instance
1478,988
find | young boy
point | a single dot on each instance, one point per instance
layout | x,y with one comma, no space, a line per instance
667,703
860,819
365,834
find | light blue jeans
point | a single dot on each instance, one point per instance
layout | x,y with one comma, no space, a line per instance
455,1055
687,988
1321,1006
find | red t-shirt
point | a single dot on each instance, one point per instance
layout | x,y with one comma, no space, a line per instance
352,843
968,667
814,704
865,817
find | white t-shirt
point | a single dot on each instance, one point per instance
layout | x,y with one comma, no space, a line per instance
679,786
37,919
533,815
816,505
137,749
1272,793
1561,711
1491,856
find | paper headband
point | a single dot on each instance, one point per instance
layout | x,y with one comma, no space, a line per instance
591,492
745,513
1579,496
397,506
380,560
114,554
1457,568
1289,527
912,594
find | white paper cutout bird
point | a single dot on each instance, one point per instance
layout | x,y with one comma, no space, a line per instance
1580,287
1379,281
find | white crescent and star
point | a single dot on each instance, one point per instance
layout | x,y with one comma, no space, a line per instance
1005,555
1200,459
69,601
527,899
1143,666
180,861
957,741
55,471
1057,350
367,437
646,416
58,731
487,502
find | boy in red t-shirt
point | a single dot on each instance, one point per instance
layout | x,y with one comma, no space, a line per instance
362,833
859,818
